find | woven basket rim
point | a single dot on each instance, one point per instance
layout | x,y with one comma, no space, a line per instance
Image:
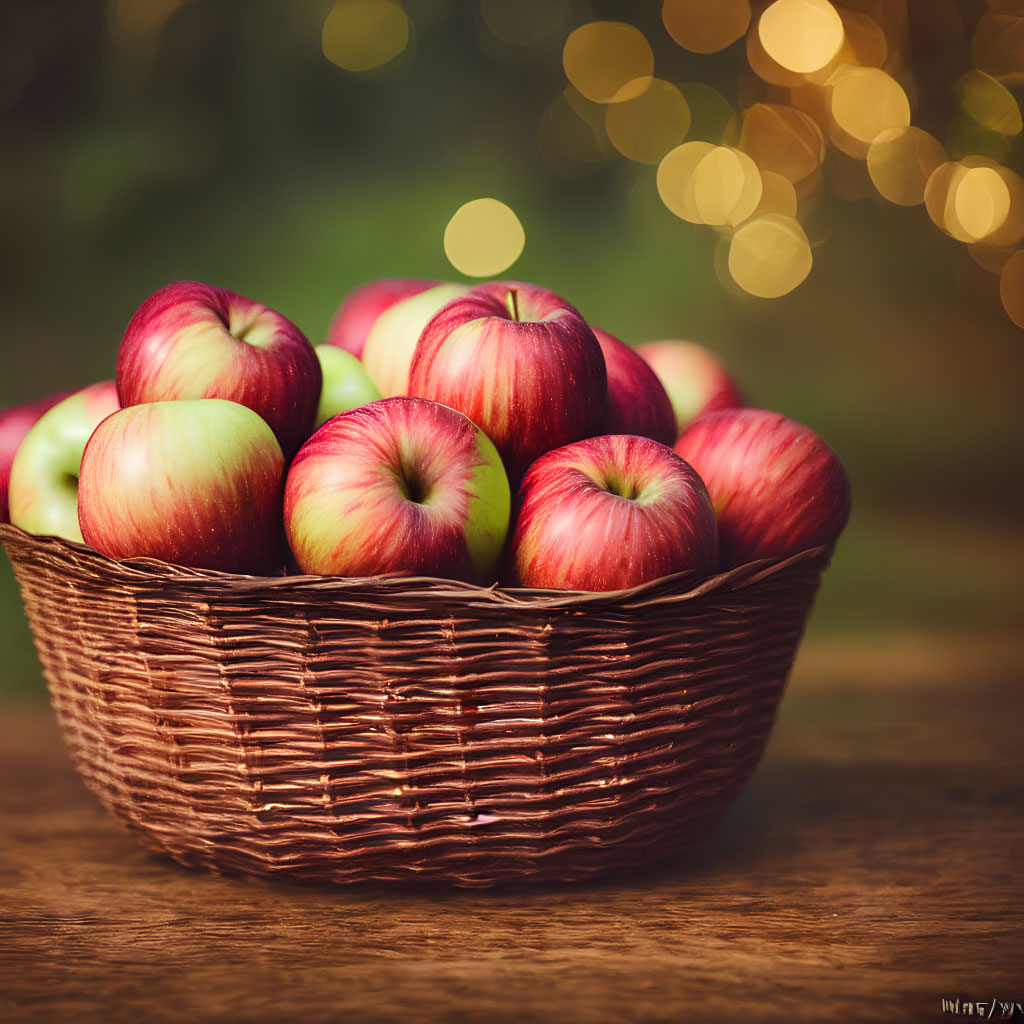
685,585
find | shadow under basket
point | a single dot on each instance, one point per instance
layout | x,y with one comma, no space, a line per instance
410,729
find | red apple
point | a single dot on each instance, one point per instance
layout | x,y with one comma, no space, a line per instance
392,340
521,363
694,377
191,340
363,305
194,482
637,401
399,485
609,513
43,489
14,425
776,486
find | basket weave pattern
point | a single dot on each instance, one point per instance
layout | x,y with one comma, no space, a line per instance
401,729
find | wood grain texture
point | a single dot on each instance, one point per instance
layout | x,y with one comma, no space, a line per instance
871,868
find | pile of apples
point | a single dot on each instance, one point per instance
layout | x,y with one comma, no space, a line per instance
483,433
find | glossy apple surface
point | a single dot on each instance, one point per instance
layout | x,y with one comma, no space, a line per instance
694,377
609,513
43,488
191,340
776,486
14,425
193,482
346,384
637,401
521,363
363,305
387,354
401,485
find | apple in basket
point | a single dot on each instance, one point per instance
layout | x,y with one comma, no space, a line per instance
346,384
392,340
694,377
43,489
363,305
195,482
609,513
14,425
190,340
776,486
637,401
400,485
521,363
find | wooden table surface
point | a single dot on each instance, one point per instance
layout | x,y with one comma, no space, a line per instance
871,869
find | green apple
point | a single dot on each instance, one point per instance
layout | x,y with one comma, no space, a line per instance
43,490
346,384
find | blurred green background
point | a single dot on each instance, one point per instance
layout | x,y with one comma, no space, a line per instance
212,140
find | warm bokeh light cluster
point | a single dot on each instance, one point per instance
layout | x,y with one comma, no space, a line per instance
483,238
834,116
361,35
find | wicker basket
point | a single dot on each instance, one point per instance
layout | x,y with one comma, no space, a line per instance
410,729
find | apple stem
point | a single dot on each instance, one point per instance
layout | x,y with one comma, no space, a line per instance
513,302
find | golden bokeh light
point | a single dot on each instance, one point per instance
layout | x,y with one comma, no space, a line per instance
864,103
675,179
765,66
483,238
706,27
976,200
1011,287
801,35
782,139
726,187
981,204
769,256
608,61
777,195
644,129
989,102
864,45
900,162
523,22
712,117
571,136
360,35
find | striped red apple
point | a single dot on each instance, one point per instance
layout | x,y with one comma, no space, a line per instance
402,485
195,482
637,400
521,363
609,513
777,487
191,340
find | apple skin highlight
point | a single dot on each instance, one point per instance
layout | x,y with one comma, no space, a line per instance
402,485
777,487
193,482
521,363
191,340
609,513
